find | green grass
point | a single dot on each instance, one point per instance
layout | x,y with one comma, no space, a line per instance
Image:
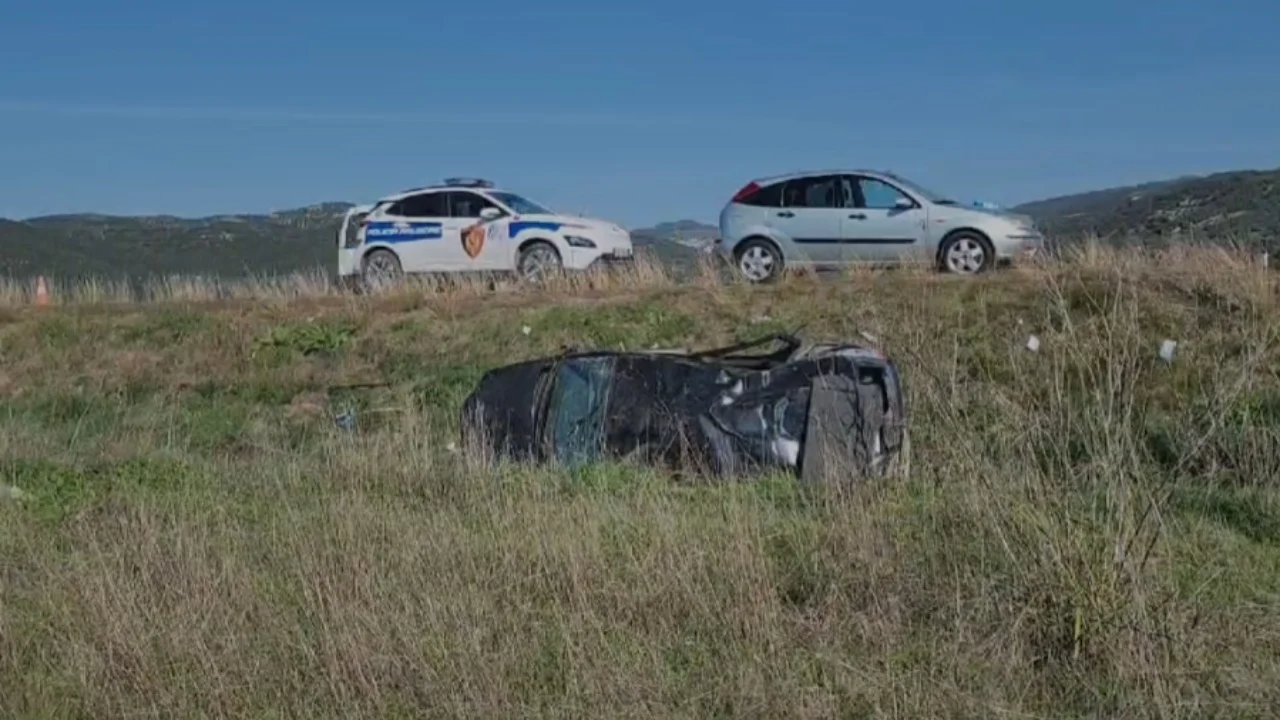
1086,532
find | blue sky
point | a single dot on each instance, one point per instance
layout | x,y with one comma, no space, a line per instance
638,112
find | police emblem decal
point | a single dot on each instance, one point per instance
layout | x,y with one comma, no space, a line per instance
473,240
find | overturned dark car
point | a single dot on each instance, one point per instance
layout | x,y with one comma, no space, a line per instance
826,412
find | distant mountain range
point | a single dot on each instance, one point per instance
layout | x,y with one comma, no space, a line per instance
93,245
1240,206
227,245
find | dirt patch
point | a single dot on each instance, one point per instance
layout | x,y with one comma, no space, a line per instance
310,405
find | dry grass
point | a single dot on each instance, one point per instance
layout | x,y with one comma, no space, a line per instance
317,283
1087,531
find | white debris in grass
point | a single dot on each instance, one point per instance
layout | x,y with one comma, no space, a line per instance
10,492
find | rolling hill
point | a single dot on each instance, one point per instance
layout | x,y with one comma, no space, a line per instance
92,245
1242,205
228,245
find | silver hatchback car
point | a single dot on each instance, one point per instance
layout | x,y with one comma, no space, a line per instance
833,218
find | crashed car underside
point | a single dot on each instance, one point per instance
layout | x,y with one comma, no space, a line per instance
827,412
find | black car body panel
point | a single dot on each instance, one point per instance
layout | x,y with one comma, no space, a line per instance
821,412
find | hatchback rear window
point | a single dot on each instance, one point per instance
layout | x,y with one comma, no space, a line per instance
767,196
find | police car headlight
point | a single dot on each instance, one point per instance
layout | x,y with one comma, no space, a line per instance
579,242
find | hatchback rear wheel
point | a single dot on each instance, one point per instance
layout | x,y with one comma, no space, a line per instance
759,260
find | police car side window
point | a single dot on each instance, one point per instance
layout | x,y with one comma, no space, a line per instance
426,205
467,204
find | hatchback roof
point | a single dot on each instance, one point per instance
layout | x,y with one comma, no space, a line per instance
828,171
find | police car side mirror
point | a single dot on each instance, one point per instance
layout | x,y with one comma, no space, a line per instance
490,213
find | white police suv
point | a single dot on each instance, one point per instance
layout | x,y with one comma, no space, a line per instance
468,225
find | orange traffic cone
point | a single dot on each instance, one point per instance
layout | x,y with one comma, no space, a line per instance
42,291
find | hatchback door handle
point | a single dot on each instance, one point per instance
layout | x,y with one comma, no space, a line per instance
786,213
858,216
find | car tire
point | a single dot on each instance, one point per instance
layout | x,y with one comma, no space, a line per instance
538,260
380,268
965,252
758,260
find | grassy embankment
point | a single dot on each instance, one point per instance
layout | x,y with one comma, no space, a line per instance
1087,531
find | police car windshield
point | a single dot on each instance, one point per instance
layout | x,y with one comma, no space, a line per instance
520,205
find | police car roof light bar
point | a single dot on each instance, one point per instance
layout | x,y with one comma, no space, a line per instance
468,182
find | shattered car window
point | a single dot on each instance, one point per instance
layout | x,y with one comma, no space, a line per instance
765,416
577,408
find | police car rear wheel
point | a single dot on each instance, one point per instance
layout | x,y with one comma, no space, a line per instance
381,267
538,261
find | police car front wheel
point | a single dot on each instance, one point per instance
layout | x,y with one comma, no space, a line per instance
381,267
538,261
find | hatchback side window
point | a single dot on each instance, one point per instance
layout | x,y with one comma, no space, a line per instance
426,205
878,195
467,204
813,192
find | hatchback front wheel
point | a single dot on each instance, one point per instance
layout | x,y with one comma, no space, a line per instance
966,253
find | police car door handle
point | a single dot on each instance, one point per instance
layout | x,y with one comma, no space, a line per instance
858,216
786,213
